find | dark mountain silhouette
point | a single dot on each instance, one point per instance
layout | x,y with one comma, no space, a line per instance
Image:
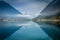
5,9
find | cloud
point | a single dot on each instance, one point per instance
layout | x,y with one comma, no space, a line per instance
29,8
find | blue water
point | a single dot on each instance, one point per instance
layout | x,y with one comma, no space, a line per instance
29,32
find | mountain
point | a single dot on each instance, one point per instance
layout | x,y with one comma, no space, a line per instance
6,9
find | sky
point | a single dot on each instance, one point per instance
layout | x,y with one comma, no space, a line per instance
29,7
